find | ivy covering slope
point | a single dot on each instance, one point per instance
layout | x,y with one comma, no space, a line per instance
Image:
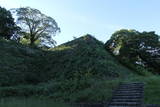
73,71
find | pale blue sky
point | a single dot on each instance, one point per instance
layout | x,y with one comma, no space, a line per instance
97,17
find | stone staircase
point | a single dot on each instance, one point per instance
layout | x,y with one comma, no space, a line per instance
128,95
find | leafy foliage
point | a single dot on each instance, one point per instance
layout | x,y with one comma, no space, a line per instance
73,72
135,47
15,61
7,25
36,26
85,56
70,72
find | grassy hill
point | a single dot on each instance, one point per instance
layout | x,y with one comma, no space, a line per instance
73,71
72,67
15,60
84,56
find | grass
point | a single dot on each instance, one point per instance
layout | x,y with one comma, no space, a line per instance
152,90
71,72
77,71
15,61
68,91
84,56
30,102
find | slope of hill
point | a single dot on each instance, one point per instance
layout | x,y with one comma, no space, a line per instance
73,71
15,60
85,55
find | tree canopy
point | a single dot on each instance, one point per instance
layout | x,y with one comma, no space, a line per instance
7,25
36,26
140,48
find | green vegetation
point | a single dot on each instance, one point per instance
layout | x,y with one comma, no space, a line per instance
136,49
77,71
82,70
85,56
151,89
36,26
73,71
7,24
29,102
15,63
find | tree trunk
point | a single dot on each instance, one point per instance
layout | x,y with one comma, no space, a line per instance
32,40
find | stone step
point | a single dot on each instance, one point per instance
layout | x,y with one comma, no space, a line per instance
140,91
132,83
126,103
128,94
126,100
133,91
122,106
131,86
129,89
127,97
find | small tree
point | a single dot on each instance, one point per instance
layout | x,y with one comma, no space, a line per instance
7,25
36,26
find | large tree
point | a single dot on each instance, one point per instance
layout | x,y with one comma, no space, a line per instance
142,48
7,25
36,26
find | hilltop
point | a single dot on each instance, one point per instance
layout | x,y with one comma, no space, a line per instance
87,56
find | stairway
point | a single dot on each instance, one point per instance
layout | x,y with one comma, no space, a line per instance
128,95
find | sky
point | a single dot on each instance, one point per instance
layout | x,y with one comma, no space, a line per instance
101,18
